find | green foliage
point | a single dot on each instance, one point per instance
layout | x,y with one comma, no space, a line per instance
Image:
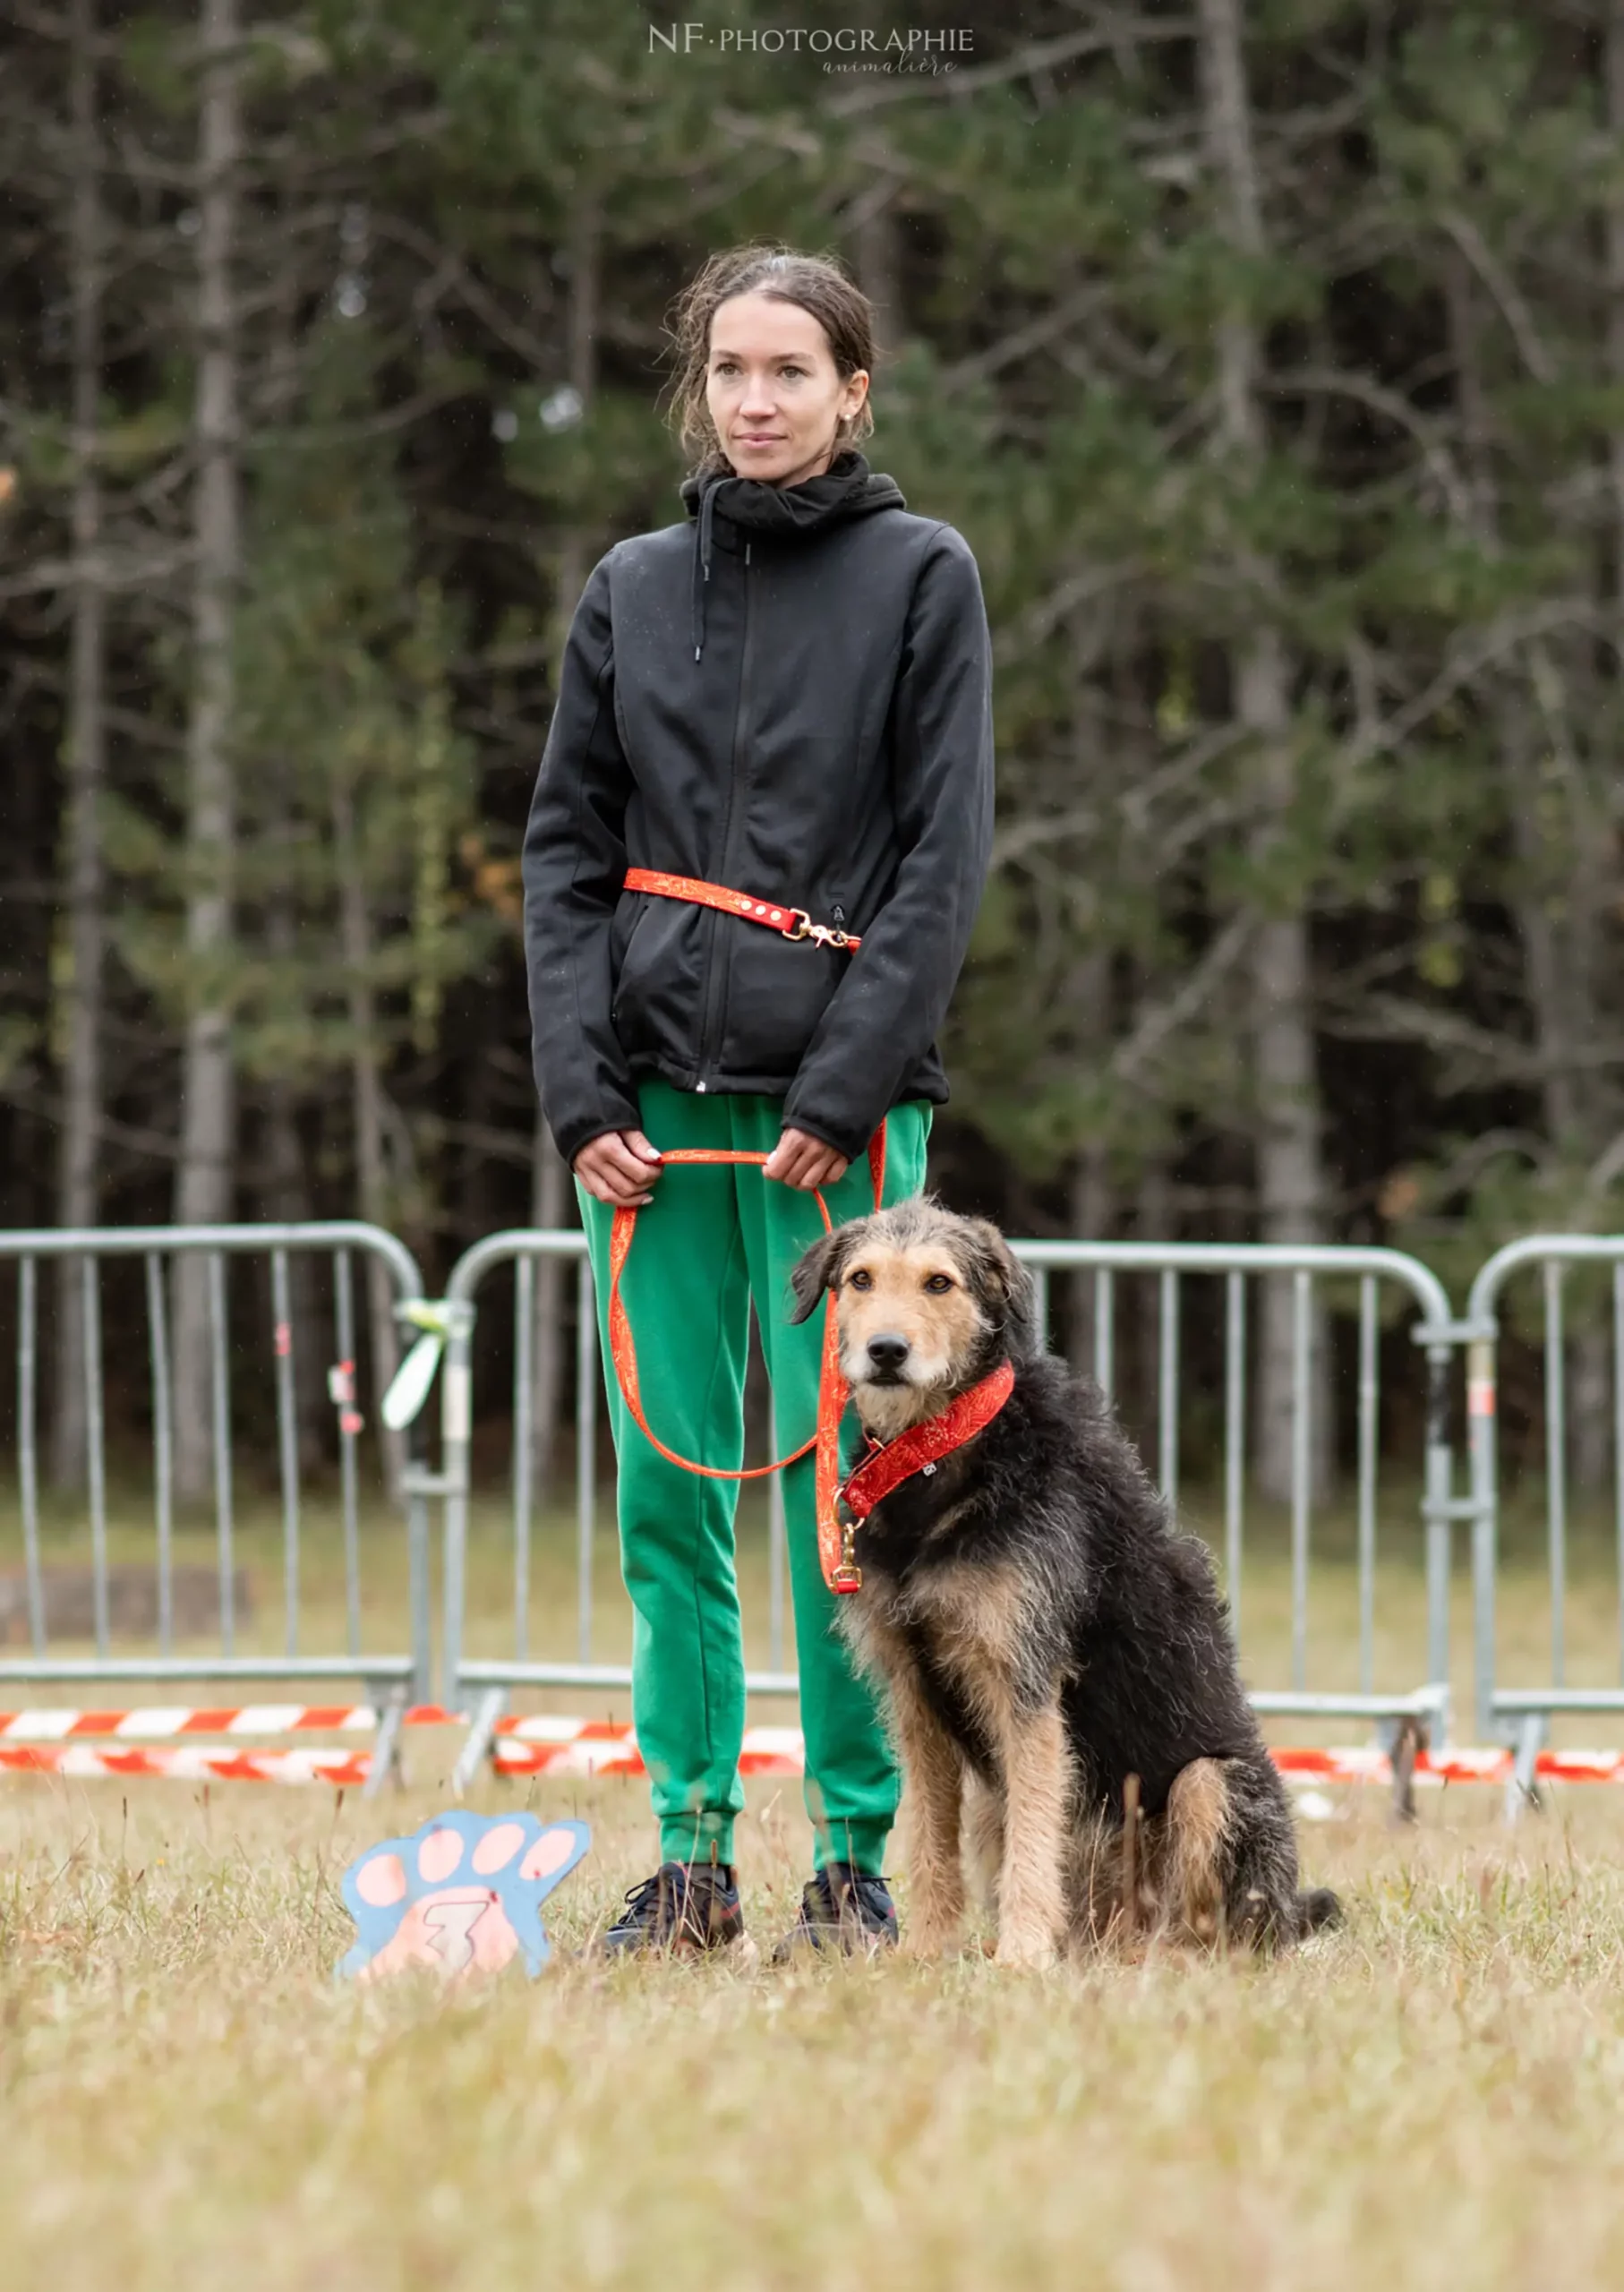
1421,508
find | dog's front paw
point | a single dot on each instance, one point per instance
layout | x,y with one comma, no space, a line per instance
931,1938
1032,1953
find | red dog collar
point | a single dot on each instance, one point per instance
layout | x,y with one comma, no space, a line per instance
922,1447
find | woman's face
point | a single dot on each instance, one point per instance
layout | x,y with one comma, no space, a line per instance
773,390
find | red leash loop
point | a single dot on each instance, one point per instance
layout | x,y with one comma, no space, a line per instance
793,922
832,1391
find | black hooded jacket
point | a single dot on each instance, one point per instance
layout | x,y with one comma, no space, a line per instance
789,695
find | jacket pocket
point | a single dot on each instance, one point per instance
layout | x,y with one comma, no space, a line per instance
622,933
655,995
777,992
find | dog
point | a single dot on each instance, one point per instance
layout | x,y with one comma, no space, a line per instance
1055,1652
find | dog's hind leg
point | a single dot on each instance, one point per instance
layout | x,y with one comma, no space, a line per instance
1093,1880
1198,1828
1031,1881
1262,1905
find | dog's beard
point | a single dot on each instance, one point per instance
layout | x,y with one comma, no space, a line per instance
887,1409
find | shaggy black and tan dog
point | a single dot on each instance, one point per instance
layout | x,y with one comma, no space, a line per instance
1041,1627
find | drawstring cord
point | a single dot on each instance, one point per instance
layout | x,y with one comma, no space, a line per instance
702,555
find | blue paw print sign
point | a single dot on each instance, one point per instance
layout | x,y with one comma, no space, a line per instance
462,1896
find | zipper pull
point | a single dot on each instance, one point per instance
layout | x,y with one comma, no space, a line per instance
747,552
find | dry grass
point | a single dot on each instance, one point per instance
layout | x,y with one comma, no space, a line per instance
1435,2098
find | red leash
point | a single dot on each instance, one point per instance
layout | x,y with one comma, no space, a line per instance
793,922
839,1572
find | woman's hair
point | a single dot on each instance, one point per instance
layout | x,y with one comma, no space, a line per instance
817,282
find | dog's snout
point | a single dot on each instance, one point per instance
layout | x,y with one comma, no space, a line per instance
887,1350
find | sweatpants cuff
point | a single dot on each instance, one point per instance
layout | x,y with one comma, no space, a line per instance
861,1843
689,1838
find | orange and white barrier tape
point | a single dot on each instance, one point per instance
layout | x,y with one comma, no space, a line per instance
1466,1765
581,1747
156,1725
543,1745
188,1763
53,1742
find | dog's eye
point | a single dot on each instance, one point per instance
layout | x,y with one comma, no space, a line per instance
939,1284
861,1280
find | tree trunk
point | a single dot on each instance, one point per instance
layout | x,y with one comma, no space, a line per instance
878,267
1559,833
1592,1412
367,1101
1290,1169
552,1198
871,225
1153,1222
288,1195
1559,836
1089,1208
550,1203
1615,289
203,1191
1090,1205
287,1200
78,1192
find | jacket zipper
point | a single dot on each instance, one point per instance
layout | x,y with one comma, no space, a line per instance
708,1030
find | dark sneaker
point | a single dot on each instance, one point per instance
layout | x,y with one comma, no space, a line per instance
842,1909
684,1906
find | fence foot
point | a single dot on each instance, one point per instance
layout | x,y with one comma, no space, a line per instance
482,1733
1522,1788
388,1765
1411,1737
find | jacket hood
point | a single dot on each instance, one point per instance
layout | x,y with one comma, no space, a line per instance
847,489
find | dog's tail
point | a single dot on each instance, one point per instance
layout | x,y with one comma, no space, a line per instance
1317,1909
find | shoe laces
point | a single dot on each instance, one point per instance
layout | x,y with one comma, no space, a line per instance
678,1880
642,1899
836,1880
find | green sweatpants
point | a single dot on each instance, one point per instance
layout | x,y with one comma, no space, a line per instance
709,1241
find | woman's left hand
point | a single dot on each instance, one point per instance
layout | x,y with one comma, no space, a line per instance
801,1160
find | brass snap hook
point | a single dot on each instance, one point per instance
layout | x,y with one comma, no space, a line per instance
821,933
848,1576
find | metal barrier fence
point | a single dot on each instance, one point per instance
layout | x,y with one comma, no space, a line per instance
233,1649
1108,1262
339,1636
1529,1709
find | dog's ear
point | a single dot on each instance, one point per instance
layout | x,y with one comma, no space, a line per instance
820,1270
1006,1288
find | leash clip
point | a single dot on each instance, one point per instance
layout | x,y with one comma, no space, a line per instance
846,1575
823,934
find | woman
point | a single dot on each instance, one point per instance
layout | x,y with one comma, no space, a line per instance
789,698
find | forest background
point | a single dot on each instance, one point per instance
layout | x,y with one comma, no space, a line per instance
1269,354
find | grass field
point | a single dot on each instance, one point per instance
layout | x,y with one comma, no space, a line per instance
1434,2096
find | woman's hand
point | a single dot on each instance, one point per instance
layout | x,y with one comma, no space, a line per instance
619,1168
801,1160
